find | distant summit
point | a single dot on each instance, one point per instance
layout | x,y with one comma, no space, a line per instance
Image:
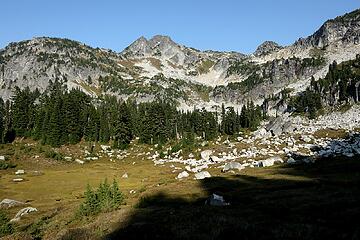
266,48
156,46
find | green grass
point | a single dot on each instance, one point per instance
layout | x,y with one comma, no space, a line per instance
205,66
279,202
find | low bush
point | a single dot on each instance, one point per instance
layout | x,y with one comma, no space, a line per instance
6,227
104,199
54,155
5,165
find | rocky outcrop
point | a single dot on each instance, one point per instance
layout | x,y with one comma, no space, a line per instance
343,30
23,212
9,203
266,48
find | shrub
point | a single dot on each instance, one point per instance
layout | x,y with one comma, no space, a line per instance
5,165
106,198
54,155
6,227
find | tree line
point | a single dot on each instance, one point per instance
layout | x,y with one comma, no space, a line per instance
60,116
337,87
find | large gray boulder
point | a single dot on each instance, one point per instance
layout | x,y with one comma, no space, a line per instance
8,203
270,161
202,175
216,200
232,165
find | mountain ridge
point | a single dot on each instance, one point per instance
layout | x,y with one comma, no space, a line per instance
135,71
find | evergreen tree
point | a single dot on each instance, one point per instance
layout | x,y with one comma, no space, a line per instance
92,125
91,204
122,127
117,196
23,111
2,115
9,132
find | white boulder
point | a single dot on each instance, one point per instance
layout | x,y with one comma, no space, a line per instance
183,174
18,179
205,155
305,138
125,175
270,161
202,175
20,172
79,161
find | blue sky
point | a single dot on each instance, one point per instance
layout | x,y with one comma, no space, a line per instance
204,24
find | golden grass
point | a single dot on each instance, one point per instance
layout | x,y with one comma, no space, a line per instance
330,133
61,186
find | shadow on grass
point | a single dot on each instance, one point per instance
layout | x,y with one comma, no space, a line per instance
319,201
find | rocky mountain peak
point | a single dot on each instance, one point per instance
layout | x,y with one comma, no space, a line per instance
343,29
161,39
137,49
266,48
158,45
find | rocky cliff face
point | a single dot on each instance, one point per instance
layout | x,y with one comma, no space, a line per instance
155,67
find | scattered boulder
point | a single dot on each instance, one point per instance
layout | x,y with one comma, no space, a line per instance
2,158
20,172
215,159
226,142
232,165
198,168
8,203
202,175
23,212
291,161
79,161
18,179
125,175
305,138
183,174
205,155
269,162
105,147
261,133
216,200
